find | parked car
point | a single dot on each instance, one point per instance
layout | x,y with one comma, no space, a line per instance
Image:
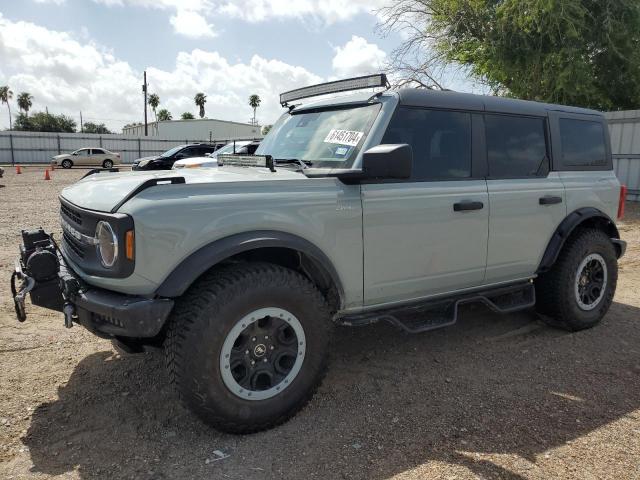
165,160
240,147
93,157
398,206
1,172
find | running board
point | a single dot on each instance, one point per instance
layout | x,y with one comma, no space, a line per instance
425,316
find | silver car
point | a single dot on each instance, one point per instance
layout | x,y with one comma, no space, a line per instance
394,206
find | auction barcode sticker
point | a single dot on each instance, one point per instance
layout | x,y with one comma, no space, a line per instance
344,137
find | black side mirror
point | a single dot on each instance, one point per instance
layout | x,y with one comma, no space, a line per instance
388,161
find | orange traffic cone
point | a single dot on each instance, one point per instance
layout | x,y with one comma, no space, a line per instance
18,171
46,175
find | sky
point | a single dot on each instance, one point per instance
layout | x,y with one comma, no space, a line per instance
89,55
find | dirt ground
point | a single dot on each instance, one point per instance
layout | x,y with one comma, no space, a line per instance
491,397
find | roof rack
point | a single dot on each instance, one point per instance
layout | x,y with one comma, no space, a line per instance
356,83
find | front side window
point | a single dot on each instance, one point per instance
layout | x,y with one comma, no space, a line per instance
516,146
441,142
327,138
583,143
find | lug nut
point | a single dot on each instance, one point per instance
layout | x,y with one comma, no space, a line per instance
253,362
272,347
246,352
253,339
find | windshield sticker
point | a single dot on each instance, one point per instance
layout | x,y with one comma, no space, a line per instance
342,151
344,137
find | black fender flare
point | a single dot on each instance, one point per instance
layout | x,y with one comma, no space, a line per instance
566,228
206,257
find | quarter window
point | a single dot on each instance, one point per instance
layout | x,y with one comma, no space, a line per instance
583,143
441,142
516,146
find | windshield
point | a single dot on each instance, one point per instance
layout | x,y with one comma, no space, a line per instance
171,151
228,148
326,138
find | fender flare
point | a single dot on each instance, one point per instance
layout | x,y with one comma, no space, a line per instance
566,228
198,262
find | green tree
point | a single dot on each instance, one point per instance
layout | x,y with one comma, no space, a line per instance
5,95
45,122
577,52
187,116
164,115
200,99
254,102
25,102
91,127
154,101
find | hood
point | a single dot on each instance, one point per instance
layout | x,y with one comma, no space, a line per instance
103,191
209,161
153,157
63,155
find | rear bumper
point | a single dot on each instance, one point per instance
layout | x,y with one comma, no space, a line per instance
103,312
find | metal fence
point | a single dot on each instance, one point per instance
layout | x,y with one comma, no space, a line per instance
624,128
39,147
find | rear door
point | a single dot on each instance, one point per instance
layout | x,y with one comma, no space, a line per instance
97,156
427,235
527,202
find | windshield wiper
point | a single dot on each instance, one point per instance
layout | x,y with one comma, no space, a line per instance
303,163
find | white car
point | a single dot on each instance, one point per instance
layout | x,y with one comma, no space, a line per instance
243,147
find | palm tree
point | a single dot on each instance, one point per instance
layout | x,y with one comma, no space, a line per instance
187,116
164,115
5,96
24,102
154,101
254,102
200,99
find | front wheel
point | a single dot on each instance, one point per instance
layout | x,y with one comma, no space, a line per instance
578,291
107,164
67,163
247,346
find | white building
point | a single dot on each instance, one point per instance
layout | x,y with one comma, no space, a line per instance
197,130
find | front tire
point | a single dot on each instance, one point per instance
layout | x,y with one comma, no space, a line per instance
107,164
578,290
247,346
66,163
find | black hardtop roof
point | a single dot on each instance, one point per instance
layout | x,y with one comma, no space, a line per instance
467,101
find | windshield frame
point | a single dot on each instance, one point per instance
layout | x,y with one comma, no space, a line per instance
263,149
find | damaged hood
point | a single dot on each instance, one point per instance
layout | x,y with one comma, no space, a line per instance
105,190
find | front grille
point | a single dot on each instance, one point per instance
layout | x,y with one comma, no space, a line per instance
71,214
74,245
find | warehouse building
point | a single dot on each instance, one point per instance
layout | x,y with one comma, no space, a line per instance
200,129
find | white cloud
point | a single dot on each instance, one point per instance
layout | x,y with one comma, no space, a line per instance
358,57
68,75
191,24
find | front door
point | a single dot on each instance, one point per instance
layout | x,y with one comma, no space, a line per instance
427,235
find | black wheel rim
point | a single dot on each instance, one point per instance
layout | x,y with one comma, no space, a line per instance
591,281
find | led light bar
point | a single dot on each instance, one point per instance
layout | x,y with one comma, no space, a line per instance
231,160
357,83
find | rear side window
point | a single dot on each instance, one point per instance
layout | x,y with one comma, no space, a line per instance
516,146
97,151
583,143
441,142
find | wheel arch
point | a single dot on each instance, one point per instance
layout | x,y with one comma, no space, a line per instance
587,217
281,248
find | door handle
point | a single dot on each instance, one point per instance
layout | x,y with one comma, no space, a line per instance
467,205
550,200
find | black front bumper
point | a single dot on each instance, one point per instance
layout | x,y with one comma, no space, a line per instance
101,311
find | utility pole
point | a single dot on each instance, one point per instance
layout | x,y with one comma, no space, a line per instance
144,89
81,127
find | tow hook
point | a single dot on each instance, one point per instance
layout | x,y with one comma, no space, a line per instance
19,295
69,311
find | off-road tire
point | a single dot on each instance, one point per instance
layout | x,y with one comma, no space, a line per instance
66,163
107,164
204,316
556,300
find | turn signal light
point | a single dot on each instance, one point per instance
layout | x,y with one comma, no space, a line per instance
129,241
623,197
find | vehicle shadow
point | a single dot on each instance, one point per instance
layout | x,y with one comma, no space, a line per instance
391,403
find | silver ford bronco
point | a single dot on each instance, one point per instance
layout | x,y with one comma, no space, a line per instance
379,205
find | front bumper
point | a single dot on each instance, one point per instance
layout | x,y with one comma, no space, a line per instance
103,312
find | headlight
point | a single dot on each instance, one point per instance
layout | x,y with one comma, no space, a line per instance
143,163
107,244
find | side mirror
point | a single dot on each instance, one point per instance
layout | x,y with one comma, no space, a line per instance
388,161
74,153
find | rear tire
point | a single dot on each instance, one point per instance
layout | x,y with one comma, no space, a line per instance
107,164
224,323
66,163
578,290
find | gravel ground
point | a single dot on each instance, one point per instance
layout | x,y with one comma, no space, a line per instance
491,397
